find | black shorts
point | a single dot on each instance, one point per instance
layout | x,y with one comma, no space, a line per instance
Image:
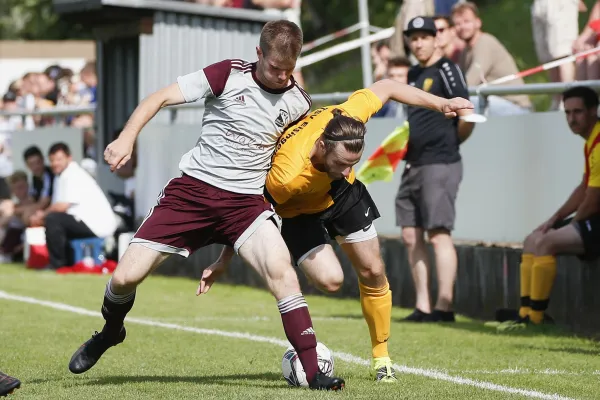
427,196
589,230
352,214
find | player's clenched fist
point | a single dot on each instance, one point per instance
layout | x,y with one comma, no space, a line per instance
118,152
457,106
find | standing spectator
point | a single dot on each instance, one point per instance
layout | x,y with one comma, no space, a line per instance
79,208
555,26
589,67
444,7
426,199
408,10
448,43
397,70
380,54
485,59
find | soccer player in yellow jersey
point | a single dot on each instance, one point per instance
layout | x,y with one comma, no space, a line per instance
314,189
578,235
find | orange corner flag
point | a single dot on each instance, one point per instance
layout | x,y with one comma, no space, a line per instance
383,162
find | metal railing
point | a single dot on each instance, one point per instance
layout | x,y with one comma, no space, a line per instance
482,92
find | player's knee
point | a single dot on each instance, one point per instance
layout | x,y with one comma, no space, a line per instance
284,276
372,272
125,279
333,283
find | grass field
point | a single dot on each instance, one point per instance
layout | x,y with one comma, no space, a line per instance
229,344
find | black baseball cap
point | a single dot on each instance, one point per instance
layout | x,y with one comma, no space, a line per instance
421,24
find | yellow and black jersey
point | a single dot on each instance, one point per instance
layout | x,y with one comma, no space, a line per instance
293,184
592,158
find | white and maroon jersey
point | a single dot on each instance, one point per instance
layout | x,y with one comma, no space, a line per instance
241,125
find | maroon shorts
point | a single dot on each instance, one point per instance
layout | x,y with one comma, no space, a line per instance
191,214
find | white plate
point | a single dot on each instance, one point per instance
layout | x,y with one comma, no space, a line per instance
477,118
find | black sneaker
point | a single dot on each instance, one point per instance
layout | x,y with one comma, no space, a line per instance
440,316
90,352
416,316
323,382
8,384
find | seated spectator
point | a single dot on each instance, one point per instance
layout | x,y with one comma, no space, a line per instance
16,214
397,70
448,43
485,59
79,208
42,183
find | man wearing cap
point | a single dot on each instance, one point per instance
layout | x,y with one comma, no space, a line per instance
426,199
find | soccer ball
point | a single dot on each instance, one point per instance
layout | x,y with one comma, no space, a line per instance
292,369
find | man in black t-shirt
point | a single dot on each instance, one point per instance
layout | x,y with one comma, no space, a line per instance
426,199
42,183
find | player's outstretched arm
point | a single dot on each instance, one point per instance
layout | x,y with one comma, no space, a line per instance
119,151
388,89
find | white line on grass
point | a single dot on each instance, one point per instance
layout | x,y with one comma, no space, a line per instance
284,343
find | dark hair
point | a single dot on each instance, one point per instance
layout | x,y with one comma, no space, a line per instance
399,62
444,17
9,97
281,38
60,146
32,151
349,131
586,94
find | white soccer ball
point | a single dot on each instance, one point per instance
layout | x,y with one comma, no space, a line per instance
292,369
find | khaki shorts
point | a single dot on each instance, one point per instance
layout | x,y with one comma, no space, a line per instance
555,27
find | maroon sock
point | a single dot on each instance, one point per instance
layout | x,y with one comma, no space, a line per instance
299,331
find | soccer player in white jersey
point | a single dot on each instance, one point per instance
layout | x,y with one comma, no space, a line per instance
219,196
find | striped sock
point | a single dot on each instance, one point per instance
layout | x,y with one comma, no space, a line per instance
115,308
299,331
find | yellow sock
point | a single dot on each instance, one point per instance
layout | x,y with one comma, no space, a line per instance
377,309
526,265
542,280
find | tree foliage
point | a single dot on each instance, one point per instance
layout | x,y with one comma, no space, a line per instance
36,20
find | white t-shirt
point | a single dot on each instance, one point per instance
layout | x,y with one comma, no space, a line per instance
88,202
241,126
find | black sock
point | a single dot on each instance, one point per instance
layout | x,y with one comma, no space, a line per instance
114,310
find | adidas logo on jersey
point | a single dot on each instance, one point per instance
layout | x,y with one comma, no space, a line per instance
308,331
240,100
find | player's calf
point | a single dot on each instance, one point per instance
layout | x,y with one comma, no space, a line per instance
267,253
119,296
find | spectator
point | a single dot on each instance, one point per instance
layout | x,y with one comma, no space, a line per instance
79,208
89,78
380,54
426,198
574,229
485,59
42,183
448,43
397,70
444,7
408,10
555,26
22,207
589,67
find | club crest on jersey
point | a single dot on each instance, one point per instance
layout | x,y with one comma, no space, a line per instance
283,119
427,84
